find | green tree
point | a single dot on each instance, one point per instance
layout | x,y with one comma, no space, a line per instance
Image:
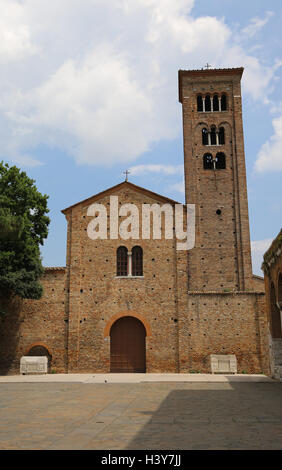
23,228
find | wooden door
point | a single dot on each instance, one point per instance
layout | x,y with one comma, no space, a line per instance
128,345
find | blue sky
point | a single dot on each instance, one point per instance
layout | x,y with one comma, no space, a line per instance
89,89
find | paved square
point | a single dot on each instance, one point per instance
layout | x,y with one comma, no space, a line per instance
167,415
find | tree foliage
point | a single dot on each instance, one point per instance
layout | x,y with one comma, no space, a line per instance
23,228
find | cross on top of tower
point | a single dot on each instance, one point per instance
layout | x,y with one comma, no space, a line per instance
208,66
126,173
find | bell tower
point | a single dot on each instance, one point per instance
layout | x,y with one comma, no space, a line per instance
215,179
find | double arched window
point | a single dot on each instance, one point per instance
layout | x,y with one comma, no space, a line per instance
122,261
220,161
214,163
208,161
213,136
137,261
211,103
130,263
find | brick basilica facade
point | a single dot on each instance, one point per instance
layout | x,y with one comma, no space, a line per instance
141,305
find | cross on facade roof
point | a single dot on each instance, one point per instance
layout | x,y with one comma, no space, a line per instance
208,66
126,173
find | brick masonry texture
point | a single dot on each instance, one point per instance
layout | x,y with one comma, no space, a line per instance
192,303
273,292
273,278
273,296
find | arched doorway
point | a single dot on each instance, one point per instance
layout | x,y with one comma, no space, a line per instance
128,345
39,350
275,315
280,289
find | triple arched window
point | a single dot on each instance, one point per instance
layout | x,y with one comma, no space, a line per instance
211,103
214,163
130,263
213,136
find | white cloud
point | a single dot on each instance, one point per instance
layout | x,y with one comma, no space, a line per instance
270,154
258,249
261,246
79,109
256,24
15,34
99,79
26,160
163,169
178,187
276,107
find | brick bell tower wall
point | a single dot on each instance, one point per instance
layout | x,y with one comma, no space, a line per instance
221,258
225,310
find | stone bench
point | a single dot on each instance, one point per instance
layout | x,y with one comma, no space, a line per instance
223,364
34,365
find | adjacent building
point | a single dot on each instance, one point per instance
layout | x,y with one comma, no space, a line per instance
272,267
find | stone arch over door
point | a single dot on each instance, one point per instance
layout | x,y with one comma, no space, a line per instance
128,345
40,349
126,313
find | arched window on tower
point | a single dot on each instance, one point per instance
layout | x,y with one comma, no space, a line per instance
223,102
122,263
208,103
137,261
215,103
205,136
213,135
199,103
220,161
207,161
221,136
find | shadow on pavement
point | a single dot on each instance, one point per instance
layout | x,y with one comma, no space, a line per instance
214,416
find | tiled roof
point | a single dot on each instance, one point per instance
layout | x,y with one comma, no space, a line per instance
55,268
232,70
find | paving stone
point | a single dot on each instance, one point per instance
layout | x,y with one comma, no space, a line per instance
141,416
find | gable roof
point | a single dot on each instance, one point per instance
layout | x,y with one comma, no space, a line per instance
117,187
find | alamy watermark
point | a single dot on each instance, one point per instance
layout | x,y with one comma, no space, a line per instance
129,228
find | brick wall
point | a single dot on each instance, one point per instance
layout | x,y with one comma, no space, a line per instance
97,295
192,303
82,301
224,323
34,322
